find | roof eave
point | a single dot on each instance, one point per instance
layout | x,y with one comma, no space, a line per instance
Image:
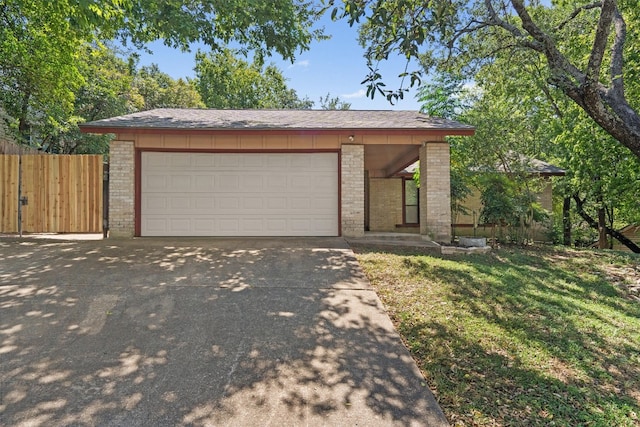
466,131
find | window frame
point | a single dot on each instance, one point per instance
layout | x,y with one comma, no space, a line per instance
404,203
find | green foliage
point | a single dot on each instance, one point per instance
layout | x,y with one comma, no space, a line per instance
515,110
38,70
224,80
329,103
110,86
46,77
282,26
444,97
601,171
159,90
508,201
582,51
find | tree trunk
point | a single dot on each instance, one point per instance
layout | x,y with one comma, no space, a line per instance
602,230
594,224
610,224
566,221
606,105
23,123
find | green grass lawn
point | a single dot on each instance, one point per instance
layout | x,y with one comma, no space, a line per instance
519,336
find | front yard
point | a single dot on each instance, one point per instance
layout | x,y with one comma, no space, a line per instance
519,336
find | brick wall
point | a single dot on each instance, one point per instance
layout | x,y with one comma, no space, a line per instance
121,189
385,203
435,191
352,187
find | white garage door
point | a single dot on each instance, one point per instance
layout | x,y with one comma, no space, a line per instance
251,194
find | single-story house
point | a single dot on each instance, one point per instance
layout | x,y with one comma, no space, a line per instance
199,172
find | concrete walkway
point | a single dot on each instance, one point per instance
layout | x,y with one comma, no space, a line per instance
199,332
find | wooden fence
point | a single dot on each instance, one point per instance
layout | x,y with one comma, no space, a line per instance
61,193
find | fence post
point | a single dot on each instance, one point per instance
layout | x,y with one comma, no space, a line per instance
105,200
20,193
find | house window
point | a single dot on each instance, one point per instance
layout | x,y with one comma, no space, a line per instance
411,205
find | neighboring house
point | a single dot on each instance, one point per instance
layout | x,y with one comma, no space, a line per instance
632,232
394,204
188,172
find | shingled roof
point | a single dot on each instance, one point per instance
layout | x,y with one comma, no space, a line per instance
192,119
530,165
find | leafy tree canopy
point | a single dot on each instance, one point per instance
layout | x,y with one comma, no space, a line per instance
514,110
160,90
42,44
225,80
328,102
589,49
282,26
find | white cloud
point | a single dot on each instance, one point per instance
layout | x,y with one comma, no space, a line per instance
304,64
359,94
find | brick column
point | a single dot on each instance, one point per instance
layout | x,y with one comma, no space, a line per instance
435,191
121,189
352,187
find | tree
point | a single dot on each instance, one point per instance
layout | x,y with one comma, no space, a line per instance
160,90
505,202
333,103
227,81
38,71
444,97
105,91
111,86
461,35
514,110
41,40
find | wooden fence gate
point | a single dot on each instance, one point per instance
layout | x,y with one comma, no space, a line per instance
59,193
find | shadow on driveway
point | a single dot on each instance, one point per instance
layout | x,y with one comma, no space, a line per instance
199,332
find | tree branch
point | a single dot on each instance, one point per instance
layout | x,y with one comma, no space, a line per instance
544,86
611,232
577,12
471,27
600,41
617,60
495,20
557,62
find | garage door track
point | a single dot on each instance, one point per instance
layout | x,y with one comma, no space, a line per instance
199,332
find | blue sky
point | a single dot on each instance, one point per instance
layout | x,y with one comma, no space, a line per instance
335,66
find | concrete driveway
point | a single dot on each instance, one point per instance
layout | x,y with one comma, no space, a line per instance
199,332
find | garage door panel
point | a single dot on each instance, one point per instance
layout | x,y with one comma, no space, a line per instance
203,162
231,225
203,225
228,226
277,226
154,182
180,226
179,160
275,183
275,162
179,183
251,162
204,183
239,194
202,204
155,226
227,182
228,161
254,182
253,203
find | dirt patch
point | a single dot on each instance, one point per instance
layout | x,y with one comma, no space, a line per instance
626,278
